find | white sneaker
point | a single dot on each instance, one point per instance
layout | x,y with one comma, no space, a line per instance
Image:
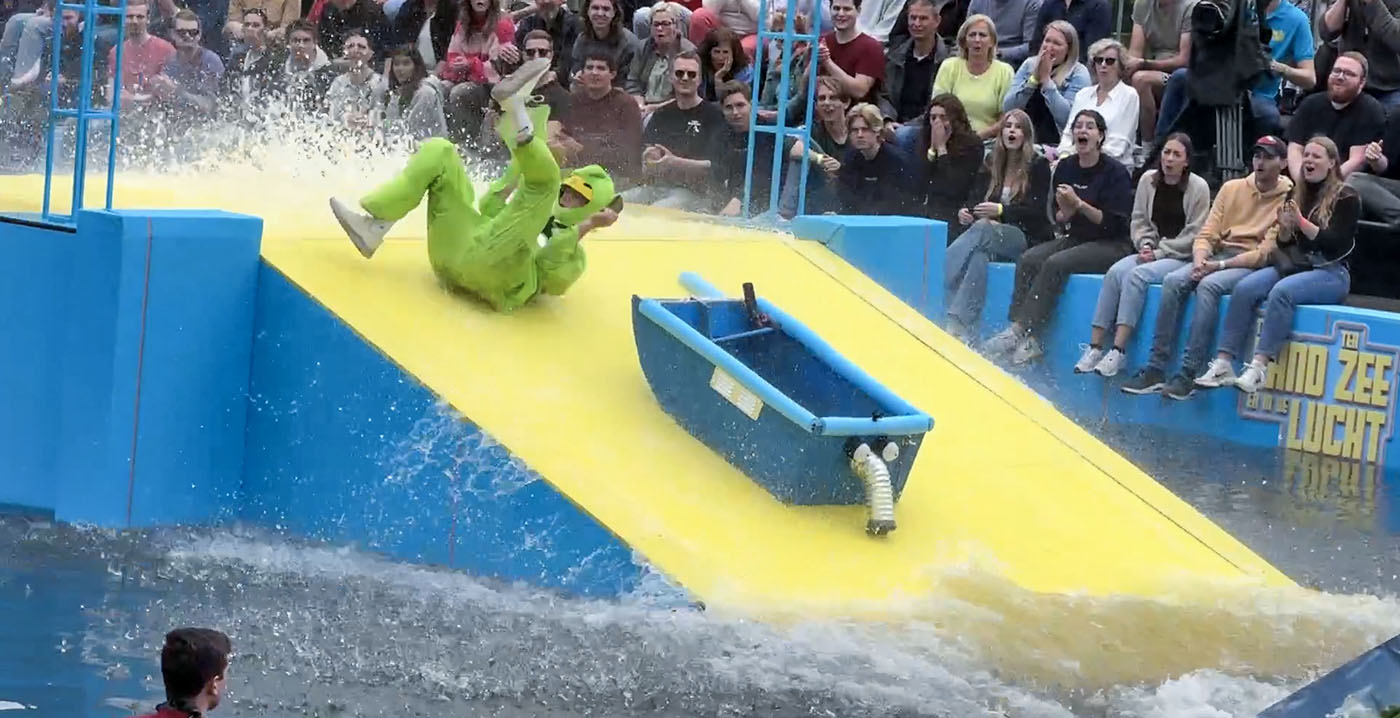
1219,373
515,89
1252,377
366,232
1004,342
1088,360
1027,351
1111,363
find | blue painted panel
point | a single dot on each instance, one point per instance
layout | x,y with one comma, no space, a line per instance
33,301
198,344
902,254
344,446
89,315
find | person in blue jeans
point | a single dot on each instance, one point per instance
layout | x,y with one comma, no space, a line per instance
1168,212
1291,49
1006,213
1238,237
1318,232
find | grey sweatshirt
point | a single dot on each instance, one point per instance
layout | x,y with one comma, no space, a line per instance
1373,29
1197,201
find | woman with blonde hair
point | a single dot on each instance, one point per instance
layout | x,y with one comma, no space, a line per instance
1317,232
1004,215
1046,84
1116,101
975,76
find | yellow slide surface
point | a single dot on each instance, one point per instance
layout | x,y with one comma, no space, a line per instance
1004,482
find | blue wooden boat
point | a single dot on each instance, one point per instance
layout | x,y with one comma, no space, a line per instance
765,392
1369,681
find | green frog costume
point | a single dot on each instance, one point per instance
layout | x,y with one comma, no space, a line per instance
505,251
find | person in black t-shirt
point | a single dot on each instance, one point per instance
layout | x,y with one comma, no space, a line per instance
1345,114
1378,183
674,144
1092,203
869,181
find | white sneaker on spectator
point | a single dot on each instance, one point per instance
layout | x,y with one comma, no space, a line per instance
1003,342
1027,351
1088,360
365,232
1111,363
1219,373
1252,377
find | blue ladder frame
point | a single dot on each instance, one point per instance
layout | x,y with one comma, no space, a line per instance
84,112
787,35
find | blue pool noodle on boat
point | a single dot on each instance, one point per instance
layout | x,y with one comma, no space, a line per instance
1372,677
809,402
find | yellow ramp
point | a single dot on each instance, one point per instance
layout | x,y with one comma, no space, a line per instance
1003,480
1003,483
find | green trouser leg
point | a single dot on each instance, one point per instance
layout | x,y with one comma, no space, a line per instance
436,169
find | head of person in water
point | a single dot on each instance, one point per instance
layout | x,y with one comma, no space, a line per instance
194,665
585,192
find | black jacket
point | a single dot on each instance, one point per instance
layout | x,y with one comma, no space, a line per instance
1229,50
409,22
1031,211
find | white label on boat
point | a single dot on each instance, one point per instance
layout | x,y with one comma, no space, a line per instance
747,401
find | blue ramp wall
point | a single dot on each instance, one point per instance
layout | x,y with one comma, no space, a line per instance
345,446
126,364
903,254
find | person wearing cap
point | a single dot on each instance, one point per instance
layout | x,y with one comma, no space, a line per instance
193,665
1239,236
524,238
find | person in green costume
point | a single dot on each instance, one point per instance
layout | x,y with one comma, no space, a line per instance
523,239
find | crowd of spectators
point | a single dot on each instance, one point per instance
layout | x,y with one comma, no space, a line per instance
1023,124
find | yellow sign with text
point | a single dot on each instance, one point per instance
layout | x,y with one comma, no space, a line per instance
1332,395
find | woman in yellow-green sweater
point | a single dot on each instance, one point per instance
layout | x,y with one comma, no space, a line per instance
975,76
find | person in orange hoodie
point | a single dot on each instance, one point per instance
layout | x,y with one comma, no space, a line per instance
1238,237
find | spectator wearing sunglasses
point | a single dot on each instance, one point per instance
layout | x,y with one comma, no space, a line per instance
675,164
1114,100
189,82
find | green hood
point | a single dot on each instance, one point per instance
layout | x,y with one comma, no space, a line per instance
604,192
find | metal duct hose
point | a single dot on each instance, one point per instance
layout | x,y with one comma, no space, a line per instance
879,495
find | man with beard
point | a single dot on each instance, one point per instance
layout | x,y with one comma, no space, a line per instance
1345,114
194,666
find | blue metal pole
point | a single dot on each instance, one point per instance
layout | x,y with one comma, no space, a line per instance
815,29
115,121
754,92
57,42
84,102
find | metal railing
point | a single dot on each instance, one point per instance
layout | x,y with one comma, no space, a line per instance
83,113
787,36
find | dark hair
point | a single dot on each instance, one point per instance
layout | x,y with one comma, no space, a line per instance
1098,122
723,36
302,26
406,90
250,11
1185,141
486,23
723,92
357,32
531,35
190,659
963,138
615,27
937,5
600,55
